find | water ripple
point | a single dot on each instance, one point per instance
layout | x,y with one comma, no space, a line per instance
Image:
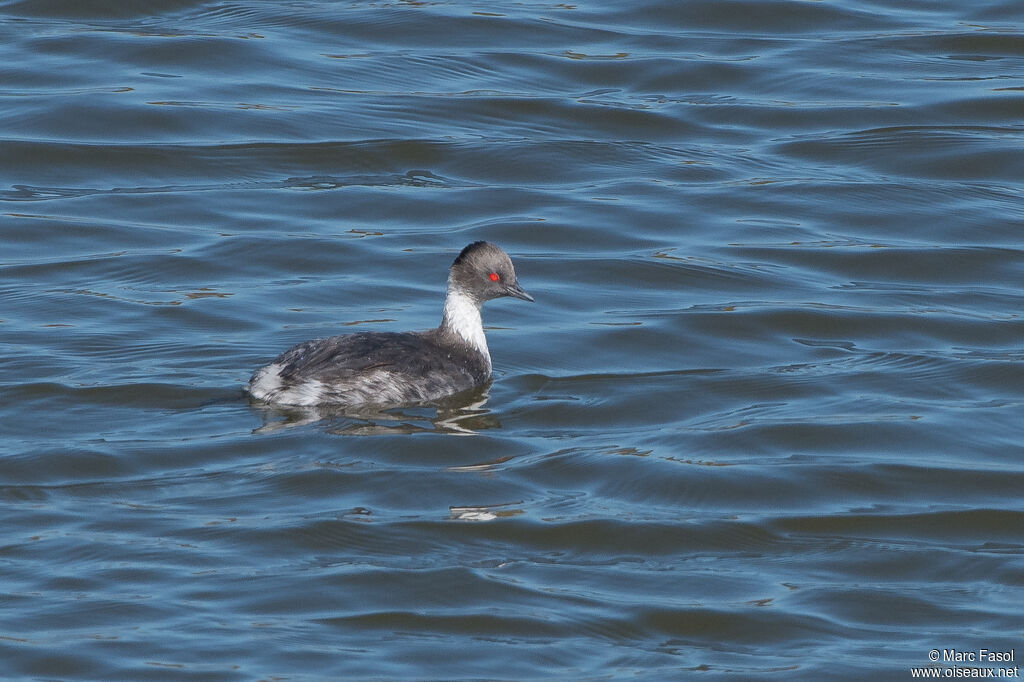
761,422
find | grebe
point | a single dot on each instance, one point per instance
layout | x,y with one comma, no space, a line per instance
385,368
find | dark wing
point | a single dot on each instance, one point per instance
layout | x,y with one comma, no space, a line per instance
342,358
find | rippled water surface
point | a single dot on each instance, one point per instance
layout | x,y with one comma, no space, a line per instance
765,419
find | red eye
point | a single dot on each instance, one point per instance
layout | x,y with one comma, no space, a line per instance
494,277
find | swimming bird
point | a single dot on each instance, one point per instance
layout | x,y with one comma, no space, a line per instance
393,368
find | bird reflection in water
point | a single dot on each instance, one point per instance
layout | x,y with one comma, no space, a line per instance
462,414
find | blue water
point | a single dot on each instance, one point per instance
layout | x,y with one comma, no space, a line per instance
764,420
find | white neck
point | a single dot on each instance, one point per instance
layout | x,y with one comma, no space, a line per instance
462,317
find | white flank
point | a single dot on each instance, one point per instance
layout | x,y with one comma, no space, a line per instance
266,381
267,385
462,316
306,394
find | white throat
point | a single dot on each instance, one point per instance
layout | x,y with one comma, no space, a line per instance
462,316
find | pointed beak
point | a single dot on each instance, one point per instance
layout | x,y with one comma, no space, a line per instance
515,290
